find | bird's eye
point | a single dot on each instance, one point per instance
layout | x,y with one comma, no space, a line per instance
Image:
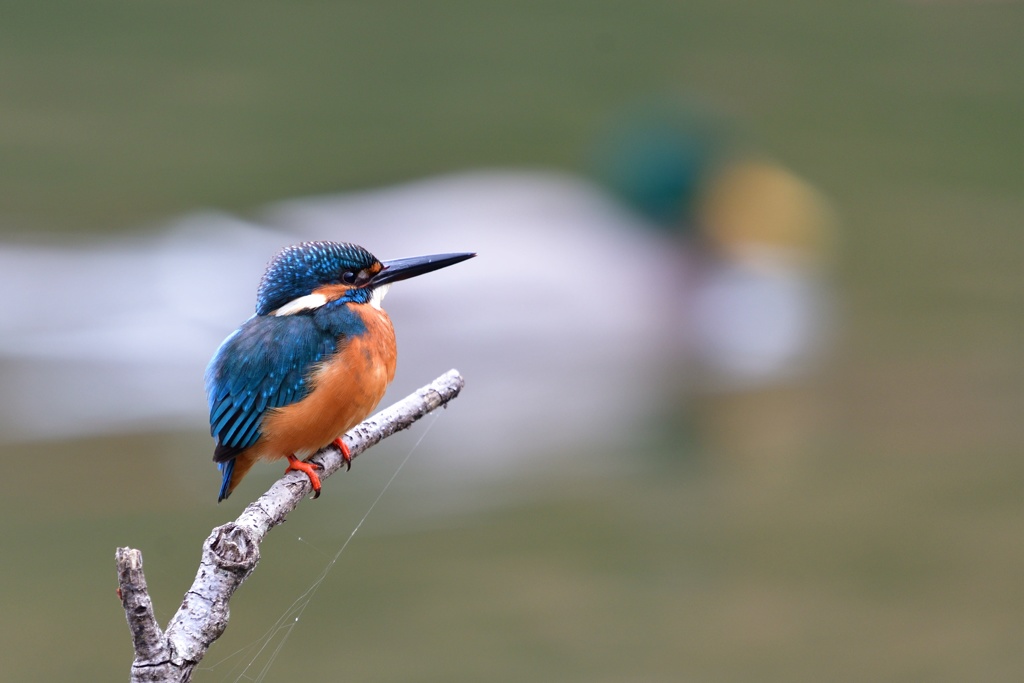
348,277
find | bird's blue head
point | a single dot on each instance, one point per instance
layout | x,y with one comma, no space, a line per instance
300,270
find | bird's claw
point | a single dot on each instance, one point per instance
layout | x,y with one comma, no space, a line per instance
346,455
309,468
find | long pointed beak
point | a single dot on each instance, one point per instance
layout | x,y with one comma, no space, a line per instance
405,268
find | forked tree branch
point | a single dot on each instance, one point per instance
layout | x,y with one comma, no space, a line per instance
232,551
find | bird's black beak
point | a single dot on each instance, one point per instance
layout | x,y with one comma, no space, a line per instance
405,268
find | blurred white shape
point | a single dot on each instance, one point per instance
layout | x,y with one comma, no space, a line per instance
563,326
92,345
756,326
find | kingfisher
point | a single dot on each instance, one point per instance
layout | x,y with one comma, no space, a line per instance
312,362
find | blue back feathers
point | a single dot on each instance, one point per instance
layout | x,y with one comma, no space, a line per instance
297,270
263,365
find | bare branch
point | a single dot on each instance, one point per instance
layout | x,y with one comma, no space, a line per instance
232,551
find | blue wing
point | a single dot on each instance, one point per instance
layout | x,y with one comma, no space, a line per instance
263,365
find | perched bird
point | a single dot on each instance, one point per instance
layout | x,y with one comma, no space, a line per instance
312,363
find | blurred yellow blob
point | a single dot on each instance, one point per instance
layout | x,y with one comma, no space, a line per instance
760,213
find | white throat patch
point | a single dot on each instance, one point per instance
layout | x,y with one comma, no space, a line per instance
377,297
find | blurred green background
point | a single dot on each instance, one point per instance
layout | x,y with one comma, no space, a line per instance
886,548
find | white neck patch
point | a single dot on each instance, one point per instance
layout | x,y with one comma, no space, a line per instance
377,297
303,303
313,301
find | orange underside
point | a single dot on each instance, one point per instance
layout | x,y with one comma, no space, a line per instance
346,389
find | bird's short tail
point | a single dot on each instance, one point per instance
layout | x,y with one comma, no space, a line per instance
227,469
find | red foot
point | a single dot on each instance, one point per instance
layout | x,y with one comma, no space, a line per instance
345,455
307,468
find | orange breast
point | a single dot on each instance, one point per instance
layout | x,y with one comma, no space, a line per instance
346,389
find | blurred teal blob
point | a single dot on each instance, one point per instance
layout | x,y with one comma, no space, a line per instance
656,158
